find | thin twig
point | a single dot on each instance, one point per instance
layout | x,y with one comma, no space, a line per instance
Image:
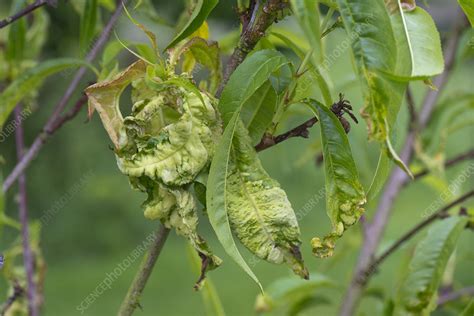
449,163
27,10
411,110
301,130
441,213
396,180
455,295
28,259
255,22
132,299
51,125
18,292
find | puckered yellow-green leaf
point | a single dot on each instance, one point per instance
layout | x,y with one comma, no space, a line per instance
163,144
345,196
259,211
176,208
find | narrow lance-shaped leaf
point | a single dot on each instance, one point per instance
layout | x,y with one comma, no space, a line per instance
468,8
345,197
202,9
418,293
246,79
31,80
307,14
88,23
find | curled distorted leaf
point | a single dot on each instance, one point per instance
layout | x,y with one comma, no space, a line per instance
345,197
163,144
198,50
259,211
176,208
418,293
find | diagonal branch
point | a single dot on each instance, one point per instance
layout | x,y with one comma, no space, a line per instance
132,299
301,130
397,180
455,295
441,213
451,162
28,259
27,10
52,124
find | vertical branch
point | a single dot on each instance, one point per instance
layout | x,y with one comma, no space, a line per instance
396,181
28,258
132,299
52,124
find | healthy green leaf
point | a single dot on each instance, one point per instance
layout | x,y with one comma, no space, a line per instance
469,310
202,9
345,197
247,79
88,23
30,80
468,8
418,293
307,14
17,35
289,292
257,112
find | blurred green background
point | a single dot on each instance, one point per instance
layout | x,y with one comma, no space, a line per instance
99,221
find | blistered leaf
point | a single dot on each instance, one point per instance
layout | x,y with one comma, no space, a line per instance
418,293
177,209
259,211
245,80
173,154
202,9
468,8
257,112
163,144
30,80
345,197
